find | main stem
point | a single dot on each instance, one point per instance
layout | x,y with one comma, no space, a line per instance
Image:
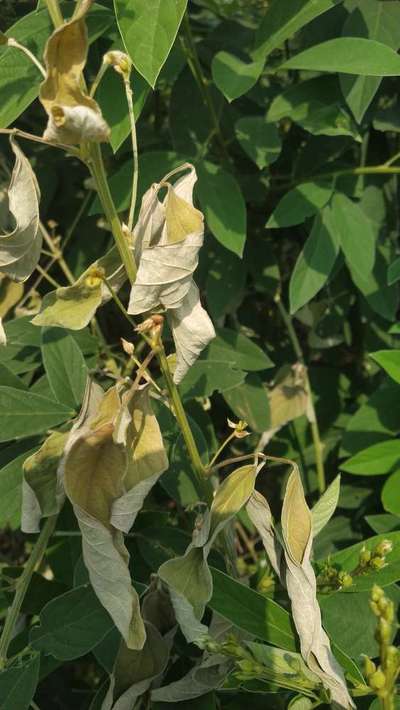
318,446
22,585
96,167
55,12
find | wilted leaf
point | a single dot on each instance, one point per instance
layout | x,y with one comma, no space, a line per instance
10,294
207,675
20,248
231,496
296,519
42,494
288,399
73,115
74,306
166,266
135,671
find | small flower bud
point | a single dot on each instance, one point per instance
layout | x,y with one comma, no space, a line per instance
365,557
369,667
95,277
383,631
377,680
345,579
119,61
377,593
384,548
377,563
392,659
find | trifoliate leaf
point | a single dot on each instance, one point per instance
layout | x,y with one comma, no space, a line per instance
73,115
42,492
20,248
168,237
73,307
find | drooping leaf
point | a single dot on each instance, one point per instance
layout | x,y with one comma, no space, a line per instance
281,21
74,306
288,399
325,507
134,671
27,414
209,674
65,366
165,273
20,248
299,203
231,496
315,262
348,55
375,21
234,77
223,205
389,360
71,625
148,30
42,494
260,140
376,460
73,115
18,683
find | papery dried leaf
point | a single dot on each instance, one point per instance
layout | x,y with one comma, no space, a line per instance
231,496
167,253
42,494
73,307
94,470
20,248
135,671
73,115
288,400
291,561
296,518
3,336
147,459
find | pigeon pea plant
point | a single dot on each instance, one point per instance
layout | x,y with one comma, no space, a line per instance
170,556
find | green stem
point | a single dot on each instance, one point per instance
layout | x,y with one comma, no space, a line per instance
96,166
22,585
315,433
195,66
55,12
129,99
182,420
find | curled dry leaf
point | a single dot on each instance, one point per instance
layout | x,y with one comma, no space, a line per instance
42,494
168,237
291,561
206,676
73,115
74,306
114,456
188,577
20,248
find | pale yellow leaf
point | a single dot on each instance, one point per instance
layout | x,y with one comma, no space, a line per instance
296,518
181,217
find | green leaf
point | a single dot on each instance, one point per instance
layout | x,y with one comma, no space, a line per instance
148,29
18,684
223,205
237,349
381,298
234,77
65,366
374,20
357,237
250,403
315,262
374,421
383,522
247,610
208,376
260,140
11,491
349,55
376,460
394,272
299,203
19,78
282,20
26,414
325,507
317,106
348,560
71,625
391,494
8,379
389,360
179,481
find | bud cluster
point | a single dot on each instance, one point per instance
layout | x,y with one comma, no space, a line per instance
382,678
331,578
